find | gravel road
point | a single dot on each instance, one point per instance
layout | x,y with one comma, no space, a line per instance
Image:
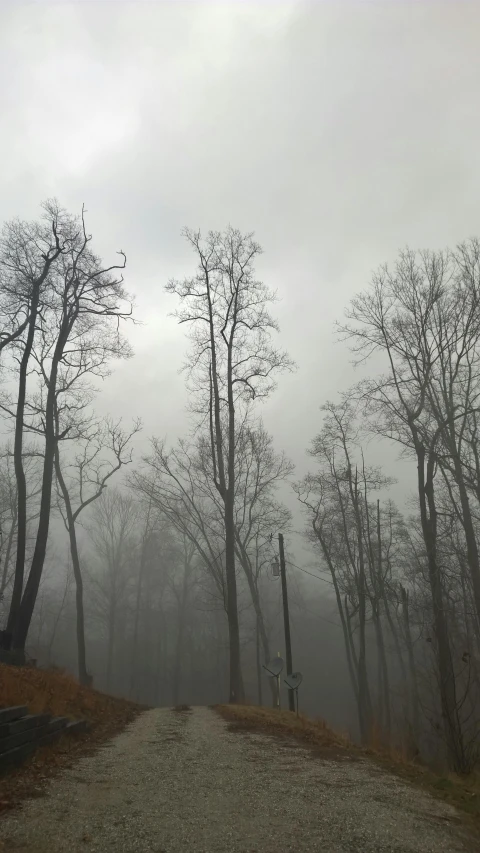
184,783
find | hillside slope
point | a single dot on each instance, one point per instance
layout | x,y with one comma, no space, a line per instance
59,694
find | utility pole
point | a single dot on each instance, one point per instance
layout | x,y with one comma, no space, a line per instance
286,620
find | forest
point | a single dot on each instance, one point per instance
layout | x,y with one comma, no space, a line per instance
147,566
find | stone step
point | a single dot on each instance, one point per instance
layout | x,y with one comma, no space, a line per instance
77,727
20,753
21,733
28,722
58,723
34,733
13,713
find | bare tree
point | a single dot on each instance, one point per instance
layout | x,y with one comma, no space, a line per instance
77,331
174,481
27,253
232,362
112,530
334,503
424,317
81,482
180,484
145,542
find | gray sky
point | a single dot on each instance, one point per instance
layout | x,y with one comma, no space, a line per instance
338,132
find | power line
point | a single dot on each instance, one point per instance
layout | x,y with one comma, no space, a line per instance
387,646
318,577
317,615
324,618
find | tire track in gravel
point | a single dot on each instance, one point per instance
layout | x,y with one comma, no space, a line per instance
175,782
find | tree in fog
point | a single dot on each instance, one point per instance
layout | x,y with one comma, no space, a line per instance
27,252
81,481
231,363
258,517
76,312
9,512
8,520
180,586
424,317
174,481
180,483
111,528
361,545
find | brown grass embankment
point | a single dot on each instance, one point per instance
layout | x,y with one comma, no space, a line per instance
57,693
463,792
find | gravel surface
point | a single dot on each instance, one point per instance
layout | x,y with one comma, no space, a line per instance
181,782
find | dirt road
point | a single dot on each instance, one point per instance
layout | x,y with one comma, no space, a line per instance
184,782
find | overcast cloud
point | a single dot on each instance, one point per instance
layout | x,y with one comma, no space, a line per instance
338,132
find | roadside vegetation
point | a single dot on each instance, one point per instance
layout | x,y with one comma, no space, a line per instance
57,693
461,791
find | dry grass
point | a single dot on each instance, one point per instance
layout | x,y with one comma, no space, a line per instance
57,693
463,792
315,733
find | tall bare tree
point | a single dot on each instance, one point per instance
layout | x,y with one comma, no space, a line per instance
424,317
232,362
28,251
75,333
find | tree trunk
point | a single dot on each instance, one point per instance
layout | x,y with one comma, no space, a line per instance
257,662
179,646
470,537
384,681
20,474
446,674
55,624
141,571
412,681
260,621
236,691
25,612
83,675
351,661
110,645
159,668
363,688
16,602
8,552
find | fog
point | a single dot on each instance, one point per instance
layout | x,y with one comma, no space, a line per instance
338,134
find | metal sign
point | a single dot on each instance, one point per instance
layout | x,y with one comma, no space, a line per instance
274,667
293,681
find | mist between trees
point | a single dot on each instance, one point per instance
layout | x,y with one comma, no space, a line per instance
157,581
